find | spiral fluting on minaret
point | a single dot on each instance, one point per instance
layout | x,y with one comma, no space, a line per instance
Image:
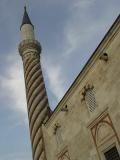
37,101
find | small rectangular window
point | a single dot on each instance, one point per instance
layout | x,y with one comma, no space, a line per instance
112,154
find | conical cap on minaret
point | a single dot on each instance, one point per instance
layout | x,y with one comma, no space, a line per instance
26,19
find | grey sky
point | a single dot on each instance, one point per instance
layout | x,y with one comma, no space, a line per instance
69,31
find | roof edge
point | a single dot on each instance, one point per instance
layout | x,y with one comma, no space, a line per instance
87,63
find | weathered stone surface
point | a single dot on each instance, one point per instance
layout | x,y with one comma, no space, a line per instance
87,135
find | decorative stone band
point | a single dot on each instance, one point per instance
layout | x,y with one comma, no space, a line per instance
37,101
27,45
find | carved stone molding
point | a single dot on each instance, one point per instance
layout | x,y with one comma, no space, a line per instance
64,154
29,44
103,131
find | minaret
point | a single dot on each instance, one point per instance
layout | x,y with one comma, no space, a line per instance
37,101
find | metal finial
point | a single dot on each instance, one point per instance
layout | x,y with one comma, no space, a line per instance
25,8
26,5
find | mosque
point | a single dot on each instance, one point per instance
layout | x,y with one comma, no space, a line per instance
85,125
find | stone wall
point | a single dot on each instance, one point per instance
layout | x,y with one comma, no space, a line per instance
73,131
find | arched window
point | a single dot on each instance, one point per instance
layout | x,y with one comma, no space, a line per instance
90,99
59,139
58,135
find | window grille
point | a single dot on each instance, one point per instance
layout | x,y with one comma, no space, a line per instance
90,100
112,154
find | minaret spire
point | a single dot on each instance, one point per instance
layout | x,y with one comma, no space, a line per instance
37,100
27,28
26,19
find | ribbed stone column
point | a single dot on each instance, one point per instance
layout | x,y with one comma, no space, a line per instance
37,102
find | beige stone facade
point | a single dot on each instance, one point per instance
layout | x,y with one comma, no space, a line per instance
86,123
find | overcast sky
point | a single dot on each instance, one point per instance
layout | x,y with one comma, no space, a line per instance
69,31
